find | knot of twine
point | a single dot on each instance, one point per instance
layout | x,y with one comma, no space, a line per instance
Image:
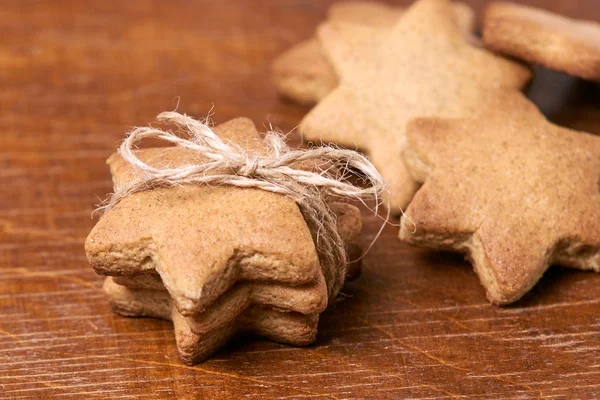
225,163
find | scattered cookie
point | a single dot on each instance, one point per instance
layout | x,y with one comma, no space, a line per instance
217,255
424,67
305,75
541,37
508,188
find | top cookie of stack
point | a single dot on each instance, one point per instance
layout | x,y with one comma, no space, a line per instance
304,73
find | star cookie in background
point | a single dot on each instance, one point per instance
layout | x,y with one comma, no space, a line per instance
541,37
422,67
217,259
305,75
508,188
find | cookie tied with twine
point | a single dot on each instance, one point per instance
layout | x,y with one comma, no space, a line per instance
314,178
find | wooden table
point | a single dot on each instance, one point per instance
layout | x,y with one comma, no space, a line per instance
74,76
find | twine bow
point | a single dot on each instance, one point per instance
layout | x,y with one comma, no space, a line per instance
225,163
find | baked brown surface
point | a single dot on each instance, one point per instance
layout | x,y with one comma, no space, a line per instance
196,242
202,239
511,190
424,67
541,37
234,234
199,337
310,298
304,73
77,75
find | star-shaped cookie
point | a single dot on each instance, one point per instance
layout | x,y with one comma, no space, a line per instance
423,67
305,75
508,188
310,298
201,239
541,37
195,346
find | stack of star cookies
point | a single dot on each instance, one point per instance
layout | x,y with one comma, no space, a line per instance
475,166
215,260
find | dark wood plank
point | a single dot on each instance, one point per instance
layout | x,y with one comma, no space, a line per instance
76,75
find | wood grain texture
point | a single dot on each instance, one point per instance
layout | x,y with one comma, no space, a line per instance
75,75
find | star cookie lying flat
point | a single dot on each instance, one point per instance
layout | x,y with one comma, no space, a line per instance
541,37
305,75
508,188
424,67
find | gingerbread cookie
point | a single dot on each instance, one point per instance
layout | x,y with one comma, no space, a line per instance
232,237
541,37
305,75
288,328
215,253
305,299
193,346
424,67
508,188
